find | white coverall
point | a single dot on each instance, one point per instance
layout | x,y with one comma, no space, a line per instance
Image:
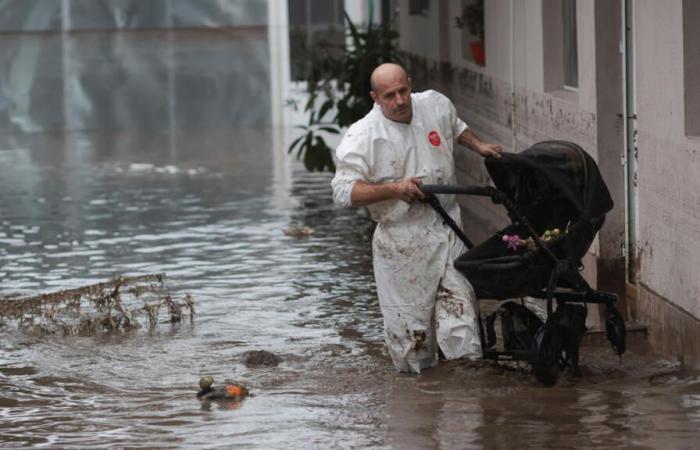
425,302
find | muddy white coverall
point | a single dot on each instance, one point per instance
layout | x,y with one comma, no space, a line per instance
425,302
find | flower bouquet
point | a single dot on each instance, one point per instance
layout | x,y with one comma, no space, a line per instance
514,242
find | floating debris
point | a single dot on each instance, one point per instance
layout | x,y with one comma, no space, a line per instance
103,307
260,358
229,391
299,231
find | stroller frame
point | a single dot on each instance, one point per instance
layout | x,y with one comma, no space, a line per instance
554,344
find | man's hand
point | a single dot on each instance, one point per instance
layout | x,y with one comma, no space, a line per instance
408,190
472,141
364,194
486,150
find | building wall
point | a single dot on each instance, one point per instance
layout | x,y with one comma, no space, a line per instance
516,100
420,41
669,186
504,101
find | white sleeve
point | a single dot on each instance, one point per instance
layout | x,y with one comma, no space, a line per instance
351,166
458,125
454,123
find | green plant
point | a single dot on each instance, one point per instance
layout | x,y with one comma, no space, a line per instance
340,81
473,18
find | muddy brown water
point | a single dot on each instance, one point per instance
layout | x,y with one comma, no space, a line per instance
210,212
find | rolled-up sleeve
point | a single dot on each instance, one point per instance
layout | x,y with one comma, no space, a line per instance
458,125
350,167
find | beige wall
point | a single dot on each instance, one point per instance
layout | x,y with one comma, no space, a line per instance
669,167
422,35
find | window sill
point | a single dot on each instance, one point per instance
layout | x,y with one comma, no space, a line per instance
565,95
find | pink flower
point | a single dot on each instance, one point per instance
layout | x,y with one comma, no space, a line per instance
512,242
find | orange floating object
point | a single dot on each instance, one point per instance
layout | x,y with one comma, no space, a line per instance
229,391
233,390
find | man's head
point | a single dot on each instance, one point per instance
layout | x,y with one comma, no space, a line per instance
391,90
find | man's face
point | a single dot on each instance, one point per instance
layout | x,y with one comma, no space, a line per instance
393,95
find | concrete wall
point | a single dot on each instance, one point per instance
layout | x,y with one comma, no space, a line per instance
669,185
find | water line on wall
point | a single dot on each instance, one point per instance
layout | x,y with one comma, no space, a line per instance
512,75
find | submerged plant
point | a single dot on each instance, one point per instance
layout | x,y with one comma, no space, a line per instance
103,307
339,81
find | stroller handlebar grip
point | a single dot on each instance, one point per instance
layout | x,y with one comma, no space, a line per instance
486,191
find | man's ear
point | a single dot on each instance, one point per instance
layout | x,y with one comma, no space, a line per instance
373,95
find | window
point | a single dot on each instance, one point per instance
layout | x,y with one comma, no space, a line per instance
418,7
560,45
691,66
313,23
471,21
568,9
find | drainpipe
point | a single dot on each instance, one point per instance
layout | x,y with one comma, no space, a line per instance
629,156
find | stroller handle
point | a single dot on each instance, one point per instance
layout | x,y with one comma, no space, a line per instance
486,191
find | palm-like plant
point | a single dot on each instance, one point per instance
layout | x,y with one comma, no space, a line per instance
473,18
341,82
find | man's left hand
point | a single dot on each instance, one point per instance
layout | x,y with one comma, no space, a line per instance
492,150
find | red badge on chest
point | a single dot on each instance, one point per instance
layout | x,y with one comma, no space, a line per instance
434,138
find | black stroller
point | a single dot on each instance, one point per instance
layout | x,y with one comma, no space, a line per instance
557,201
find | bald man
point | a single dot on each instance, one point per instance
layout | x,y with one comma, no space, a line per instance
405,140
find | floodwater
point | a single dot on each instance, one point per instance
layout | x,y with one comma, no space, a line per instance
209,209
211,214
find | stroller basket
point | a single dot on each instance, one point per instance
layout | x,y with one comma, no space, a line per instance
497,272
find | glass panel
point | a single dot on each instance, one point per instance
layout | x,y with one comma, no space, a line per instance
29,15
691,66
471,21
570,44
418,7
313,24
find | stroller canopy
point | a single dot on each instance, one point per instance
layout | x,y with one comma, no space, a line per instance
552,183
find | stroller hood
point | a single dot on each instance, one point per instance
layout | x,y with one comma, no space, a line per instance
552,183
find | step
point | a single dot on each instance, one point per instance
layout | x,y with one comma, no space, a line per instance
635,333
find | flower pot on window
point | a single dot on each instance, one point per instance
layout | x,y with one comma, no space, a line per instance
472,20
478,52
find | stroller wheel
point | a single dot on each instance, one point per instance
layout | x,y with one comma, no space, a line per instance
547,354
615,330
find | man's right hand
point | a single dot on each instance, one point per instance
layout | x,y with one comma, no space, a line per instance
408,190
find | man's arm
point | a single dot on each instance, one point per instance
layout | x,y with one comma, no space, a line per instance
364,193
470,140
